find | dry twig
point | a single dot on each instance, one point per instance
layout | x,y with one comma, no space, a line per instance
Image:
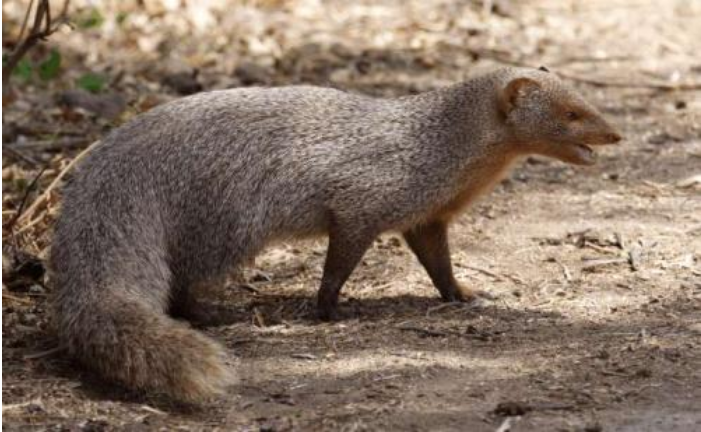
42,28
592,264
20,209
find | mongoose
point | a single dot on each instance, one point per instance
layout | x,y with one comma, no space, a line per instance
183,193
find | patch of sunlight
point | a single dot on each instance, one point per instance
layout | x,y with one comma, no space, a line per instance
386,362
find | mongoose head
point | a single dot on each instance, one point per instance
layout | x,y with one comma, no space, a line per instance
545,116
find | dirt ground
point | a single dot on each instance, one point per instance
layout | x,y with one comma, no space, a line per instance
597,323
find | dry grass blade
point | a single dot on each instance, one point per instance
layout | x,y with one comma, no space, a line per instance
43,198
42,354
505,425
17,299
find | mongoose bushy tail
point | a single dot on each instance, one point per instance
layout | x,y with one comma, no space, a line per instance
118,325
182,194
128,342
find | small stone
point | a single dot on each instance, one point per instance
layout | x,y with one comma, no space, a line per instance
108,105
35,408
252,74
94,426
267,427
593,427
36,289
643,373
663,138
695,327
29,319
184,83
512,409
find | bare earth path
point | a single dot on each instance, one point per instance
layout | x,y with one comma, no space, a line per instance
597,325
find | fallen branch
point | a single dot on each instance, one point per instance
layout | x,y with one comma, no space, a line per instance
51,144
497,277
20,209
649,85
17,299
21,405
428,332
590,59
438,308
662,86
20,156
483,270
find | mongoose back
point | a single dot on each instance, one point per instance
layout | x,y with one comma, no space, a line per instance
185,192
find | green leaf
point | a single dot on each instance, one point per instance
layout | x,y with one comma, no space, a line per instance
90,18
50,68
21,184
91,82
23,70
122,18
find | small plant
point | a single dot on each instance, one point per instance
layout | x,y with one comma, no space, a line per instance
89,18
50,67
92,82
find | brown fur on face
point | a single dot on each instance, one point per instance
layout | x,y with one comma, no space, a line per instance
547,118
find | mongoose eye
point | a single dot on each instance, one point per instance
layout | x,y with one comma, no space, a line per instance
571,115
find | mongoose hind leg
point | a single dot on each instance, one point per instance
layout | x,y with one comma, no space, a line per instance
429,242
183,305
344,252
186,305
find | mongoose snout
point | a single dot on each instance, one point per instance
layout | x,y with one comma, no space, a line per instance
551,119
181,194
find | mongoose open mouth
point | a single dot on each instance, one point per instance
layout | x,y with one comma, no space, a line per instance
582,154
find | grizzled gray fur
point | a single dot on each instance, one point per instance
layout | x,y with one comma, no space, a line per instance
183,193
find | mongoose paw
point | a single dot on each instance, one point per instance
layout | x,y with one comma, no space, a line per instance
475,297
485,295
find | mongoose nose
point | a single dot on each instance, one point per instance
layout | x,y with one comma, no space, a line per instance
614,137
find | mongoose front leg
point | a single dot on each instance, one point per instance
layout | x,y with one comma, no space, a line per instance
344,253
429,242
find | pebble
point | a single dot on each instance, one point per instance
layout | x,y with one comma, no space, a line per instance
37,289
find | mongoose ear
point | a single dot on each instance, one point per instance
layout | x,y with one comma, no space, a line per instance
515,92
544,69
